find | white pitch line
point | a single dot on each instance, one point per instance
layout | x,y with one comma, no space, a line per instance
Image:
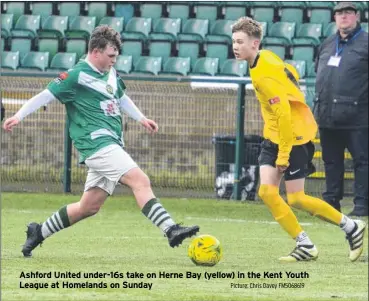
131,237
227,220
28,211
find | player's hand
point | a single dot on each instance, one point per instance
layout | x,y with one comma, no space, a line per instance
282,168
282,163
10,123
150,125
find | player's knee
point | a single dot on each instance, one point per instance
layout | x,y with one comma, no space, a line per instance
268,193
263,192
294,199
143,180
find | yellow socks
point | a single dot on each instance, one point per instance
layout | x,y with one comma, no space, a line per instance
314,206
281,212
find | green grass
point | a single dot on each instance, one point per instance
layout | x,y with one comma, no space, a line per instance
120,239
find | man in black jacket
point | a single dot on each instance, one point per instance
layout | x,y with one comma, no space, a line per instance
341,106
2,112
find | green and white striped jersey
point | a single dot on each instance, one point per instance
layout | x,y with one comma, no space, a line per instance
92,101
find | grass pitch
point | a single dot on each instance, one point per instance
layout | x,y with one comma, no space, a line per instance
119,239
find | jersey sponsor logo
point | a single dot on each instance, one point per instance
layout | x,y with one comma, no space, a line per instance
110,107
109,89
63,75
274,100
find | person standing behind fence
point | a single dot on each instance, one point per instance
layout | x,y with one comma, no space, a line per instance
287,149
94,96
341,106
2,112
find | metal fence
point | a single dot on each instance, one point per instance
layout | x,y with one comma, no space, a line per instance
179,160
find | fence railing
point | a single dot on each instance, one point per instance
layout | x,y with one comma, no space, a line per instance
190,111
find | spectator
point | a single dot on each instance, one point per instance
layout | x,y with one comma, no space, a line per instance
341,106
2,112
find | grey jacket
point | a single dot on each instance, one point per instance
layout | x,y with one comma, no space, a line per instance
342,92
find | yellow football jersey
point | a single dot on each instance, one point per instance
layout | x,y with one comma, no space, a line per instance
288,120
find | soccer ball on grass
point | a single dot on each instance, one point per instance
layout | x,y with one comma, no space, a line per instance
205,250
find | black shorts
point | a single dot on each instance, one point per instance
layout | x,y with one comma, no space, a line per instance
301,158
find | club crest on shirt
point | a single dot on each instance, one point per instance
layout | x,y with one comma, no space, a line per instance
274,100
109,89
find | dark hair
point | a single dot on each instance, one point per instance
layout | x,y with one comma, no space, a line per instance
103,36
249,26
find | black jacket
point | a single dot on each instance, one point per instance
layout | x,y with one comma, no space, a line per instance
2,112
342,92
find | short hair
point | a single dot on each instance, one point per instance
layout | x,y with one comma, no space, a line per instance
103,36
249,26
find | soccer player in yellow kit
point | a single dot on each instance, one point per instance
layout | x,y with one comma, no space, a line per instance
287,149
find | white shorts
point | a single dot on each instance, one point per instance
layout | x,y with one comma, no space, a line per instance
107,166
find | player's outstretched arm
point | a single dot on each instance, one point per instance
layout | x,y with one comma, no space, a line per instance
10,123
128,107
29,107
150,125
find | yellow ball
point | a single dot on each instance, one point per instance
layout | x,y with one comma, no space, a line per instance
205,250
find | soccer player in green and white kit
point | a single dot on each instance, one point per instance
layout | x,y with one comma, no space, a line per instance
94,97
